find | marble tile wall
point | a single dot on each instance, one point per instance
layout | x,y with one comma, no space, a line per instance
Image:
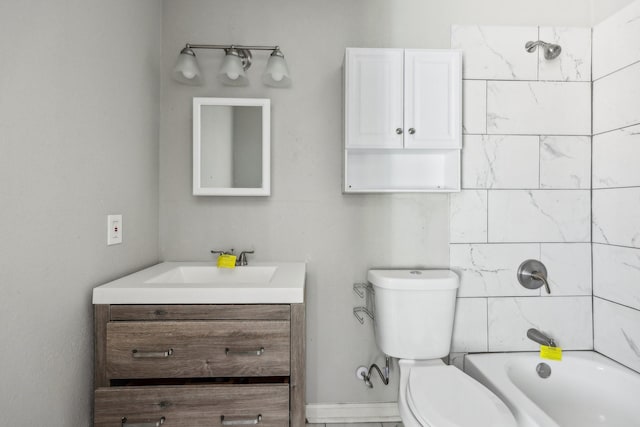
616,186
526,179
538,107
615,41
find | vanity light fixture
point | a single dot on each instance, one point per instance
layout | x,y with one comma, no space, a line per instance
186,69
236,62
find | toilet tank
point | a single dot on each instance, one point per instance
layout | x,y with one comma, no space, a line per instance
414,311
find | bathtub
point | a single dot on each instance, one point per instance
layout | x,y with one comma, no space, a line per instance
585,389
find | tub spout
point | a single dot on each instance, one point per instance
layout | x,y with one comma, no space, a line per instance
540,338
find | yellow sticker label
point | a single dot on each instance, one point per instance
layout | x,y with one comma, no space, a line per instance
550,353
227,261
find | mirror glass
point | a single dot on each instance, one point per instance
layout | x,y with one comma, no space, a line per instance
231,147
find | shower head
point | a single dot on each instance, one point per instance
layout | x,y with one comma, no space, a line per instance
551,51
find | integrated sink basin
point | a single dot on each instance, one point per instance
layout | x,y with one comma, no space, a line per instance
212,274
204,283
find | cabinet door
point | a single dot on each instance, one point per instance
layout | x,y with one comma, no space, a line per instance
373,98
433,99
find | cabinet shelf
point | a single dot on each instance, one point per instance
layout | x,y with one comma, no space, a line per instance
389,170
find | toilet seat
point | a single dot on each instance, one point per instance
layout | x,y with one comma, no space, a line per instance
443,396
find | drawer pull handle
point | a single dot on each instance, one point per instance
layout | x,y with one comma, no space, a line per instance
151,354
258,352
241,422
151,424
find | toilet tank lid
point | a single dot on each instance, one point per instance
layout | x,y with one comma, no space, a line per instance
414,280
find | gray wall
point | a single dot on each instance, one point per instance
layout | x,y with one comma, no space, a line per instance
79,109
307,218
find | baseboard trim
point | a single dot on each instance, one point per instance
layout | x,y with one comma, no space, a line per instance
352,413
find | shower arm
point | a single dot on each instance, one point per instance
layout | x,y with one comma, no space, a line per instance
531,45
551,51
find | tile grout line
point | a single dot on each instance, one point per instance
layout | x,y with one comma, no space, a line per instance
616,303
535,134
486,129
611,72
616,188
487,310
538,189
538,61
477,79
611,130
535,243
593,317
539,162
613,245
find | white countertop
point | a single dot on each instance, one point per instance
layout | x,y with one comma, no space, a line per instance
286,286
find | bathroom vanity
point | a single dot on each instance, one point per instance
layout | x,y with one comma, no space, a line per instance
188,344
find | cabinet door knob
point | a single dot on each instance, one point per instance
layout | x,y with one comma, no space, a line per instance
412,131
399,131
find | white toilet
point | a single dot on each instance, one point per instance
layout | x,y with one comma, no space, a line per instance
414,312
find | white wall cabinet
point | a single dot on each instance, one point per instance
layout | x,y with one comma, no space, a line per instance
403,120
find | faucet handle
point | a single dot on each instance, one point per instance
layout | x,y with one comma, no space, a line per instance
532,274
242,258
230,252
543,278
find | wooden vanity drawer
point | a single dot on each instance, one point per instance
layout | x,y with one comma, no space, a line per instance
193,406
200,312
195,349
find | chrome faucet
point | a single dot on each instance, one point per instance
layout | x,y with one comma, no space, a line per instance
540,338
242,258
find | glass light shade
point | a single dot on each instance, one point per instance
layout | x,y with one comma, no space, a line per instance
186,70
276,74
232,72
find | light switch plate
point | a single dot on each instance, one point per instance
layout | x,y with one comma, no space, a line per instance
114,229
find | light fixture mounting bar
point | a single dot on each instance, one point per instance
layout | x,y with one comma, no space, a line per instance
229,46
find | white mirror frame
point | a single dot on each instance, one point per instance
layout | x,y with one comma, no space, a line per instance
265,190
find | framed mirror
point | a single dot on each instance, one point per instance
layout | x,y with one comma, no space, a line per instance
231,147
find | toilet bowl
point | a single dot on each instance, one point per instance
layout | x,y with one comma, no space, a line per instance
414,312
